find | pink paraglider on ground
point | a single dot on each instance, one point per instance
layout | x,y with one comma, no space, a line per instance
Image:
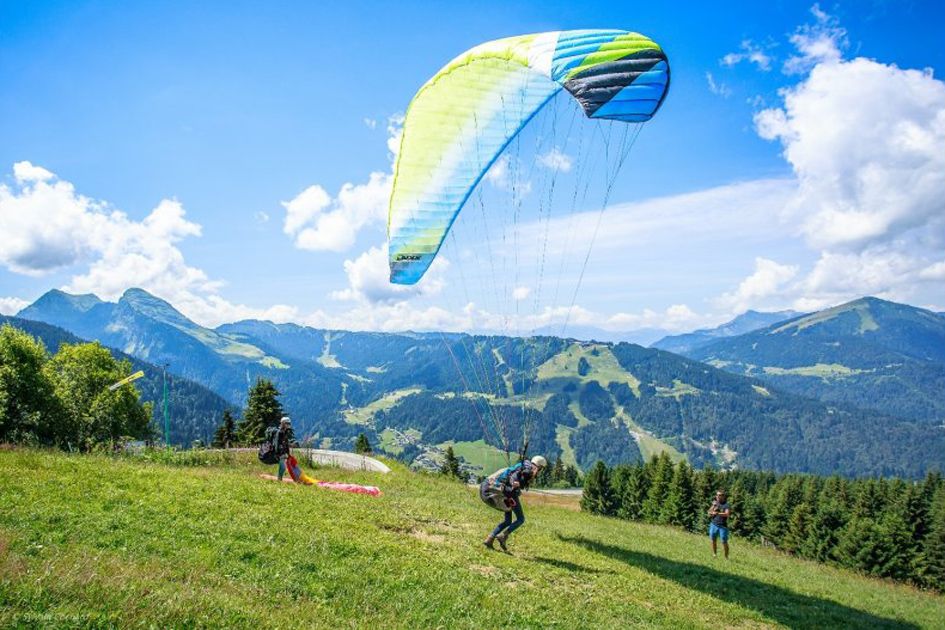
300,477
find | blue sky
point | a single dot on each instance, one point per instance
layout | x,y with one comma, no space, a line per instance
795,164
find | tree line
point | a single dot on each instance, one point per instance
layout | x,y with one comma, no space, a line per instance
263,410
884,527
65,400
556,474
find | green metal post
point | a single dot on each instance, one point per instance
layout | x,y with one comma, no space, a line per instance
167,437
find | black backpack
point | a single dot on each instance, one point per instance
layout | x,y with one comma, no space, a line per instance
267,450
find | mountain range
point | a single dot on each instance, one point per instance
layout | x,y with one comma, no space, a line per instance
870,353
581,401
744,323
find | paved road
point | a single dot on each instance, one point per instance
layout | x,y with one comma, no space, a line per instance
338,459
342,459
564,492
558,492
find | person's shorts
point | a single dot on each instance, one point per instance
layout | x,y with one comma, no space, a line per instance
716,531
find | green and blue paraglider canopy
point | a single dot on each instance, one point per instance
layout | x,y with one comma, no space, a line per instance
463,118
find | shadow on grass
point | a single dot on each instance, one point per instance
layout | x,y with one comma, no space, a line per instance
564,564
776,603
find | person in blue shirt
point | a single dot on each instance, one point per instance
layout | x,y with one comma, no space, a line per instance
502,490
719,512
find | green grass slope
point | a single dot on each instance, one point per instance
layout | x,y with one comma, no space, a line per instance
91,541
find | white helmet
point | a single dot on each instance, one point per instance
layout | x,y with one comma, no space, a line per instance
538,460
285,420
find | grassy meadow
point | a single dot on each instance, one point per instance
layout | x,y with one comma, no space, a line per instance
199,540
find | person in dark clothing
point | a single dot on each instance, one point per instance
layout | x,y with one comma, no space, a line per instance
282,444
719,512
503,490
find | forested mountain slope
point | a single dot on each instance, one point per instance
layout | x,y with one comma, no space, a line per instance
744,323
413,394
869,353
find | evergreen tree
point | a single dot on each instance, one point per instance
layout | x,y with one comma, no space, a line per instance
810,490
263,410
557,471
704,487
619,477
859,545
363,447
930,486
916,508
543,480
583,367
660,481
824,531
836,489
680,508
785,496
738,498
572,476
633,494
751,517
867,501
909,507
900,551
874,547
930,567
798,528
450,465
225,435
598,497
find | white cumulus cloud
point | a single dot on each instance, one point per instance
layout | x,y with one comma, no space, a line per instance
498,173
26,172
318,222
369,279
675,318
769,278
12,305
719,89
820,42
395,130
935,271
866,141
871,178
46,225
556,160
521,293
750,52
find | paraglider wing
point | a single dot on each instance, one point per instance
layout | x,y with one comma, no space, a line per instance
462,119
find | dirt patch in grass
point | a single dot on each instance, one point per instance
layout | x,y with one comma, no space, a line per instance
564,501
485,570
425,536
269,477
415,531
